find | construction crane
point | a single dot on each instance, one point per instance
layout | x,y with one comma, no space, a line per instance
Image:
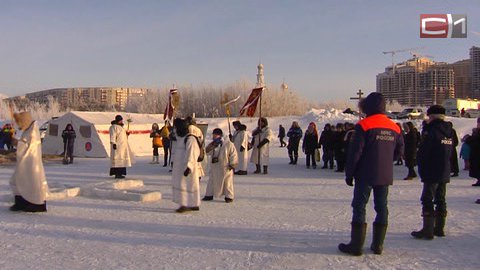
398,51
416,55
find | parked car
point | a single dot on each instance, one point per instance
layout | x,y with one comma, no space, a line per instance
392,115
411,113
472,113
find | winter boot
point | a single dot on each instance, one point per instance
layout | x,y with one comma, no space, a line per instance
325,165
153,160
19,205
265,169
295,160
357,239
379,231
440,218
165,160
207,198
31,207
258,170
291,159
427,231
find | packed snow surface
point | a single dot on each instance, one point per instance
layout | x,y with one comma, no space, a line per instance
292,218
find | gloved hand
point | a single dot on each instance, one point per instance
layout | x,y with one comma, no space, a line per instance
230,137
349,181
114,146
262,143
186,172
242,148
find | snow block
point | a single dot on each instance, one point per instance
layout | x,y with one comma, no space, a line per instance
58,192
124,190
126,184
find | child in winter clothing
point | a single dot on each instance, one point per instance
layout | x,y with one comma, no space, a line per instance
156,142
465,152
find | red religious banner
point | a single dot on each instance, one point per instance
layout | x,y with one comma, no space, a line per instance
251,104
172,102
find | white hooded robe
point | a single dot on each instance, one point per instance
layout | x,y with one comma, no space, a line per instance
29,179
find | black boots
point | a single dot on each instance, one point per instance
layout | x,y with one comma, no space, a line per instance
295,159
357,239
427,231
379,231
258,170
23,205
207,198
291,159
265,169
19,205
439,223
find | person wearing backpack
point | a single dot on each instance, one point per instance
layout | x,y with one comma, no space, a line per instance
224,159
186,168
262,136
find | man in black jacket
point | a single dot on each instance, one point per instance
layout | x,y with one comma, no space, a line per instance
434,169
376,143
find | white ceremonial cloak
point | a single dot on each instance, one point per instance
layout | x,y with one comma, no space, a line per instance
121,157
220,181
186,189
240,138
28,179
266,133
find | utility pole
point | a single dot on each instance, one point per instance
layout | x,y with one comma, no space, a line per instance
359,94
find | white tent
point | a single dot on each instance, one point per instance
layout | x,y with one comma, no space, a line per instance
92,129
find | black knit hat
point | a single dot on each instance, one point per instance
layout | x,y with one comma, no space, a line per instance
436,109
118,118
374,103
218,131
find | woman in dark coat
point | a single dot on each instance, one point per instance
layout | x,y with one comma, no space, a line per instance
410,152
310,143
68,136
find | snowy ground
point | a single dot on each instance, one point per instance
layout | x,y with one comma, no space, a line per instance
293,218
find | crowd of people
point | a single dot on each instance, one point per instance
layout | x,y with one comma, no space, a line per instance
365,152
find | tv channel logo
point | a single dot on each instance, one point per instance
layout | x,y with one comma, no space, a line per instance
443,25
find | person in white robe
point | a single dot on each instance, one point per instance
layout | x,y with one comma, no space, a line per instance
120,153
222,165
262,136
186,169
28,182
240,140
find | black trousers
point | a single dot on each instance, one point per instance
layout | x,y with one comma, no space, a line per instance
433,198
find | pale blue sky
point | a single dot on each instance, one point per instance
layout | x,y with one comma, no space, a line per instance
326,50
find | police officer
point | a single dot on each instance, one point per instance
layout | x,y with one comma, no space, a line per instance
376,143
434,169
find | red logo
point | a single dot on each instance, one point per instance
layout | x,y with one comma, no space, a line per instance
88,146
443,25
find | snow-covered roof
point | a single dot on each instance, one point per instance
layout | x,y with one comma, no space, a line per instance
105,118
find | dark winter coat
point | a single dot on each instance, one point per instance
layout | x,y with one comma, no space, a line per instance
474,143
411,143
327,140
310,143
69,137
433,155
454,156
281,132
339,145
294,136
376,143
